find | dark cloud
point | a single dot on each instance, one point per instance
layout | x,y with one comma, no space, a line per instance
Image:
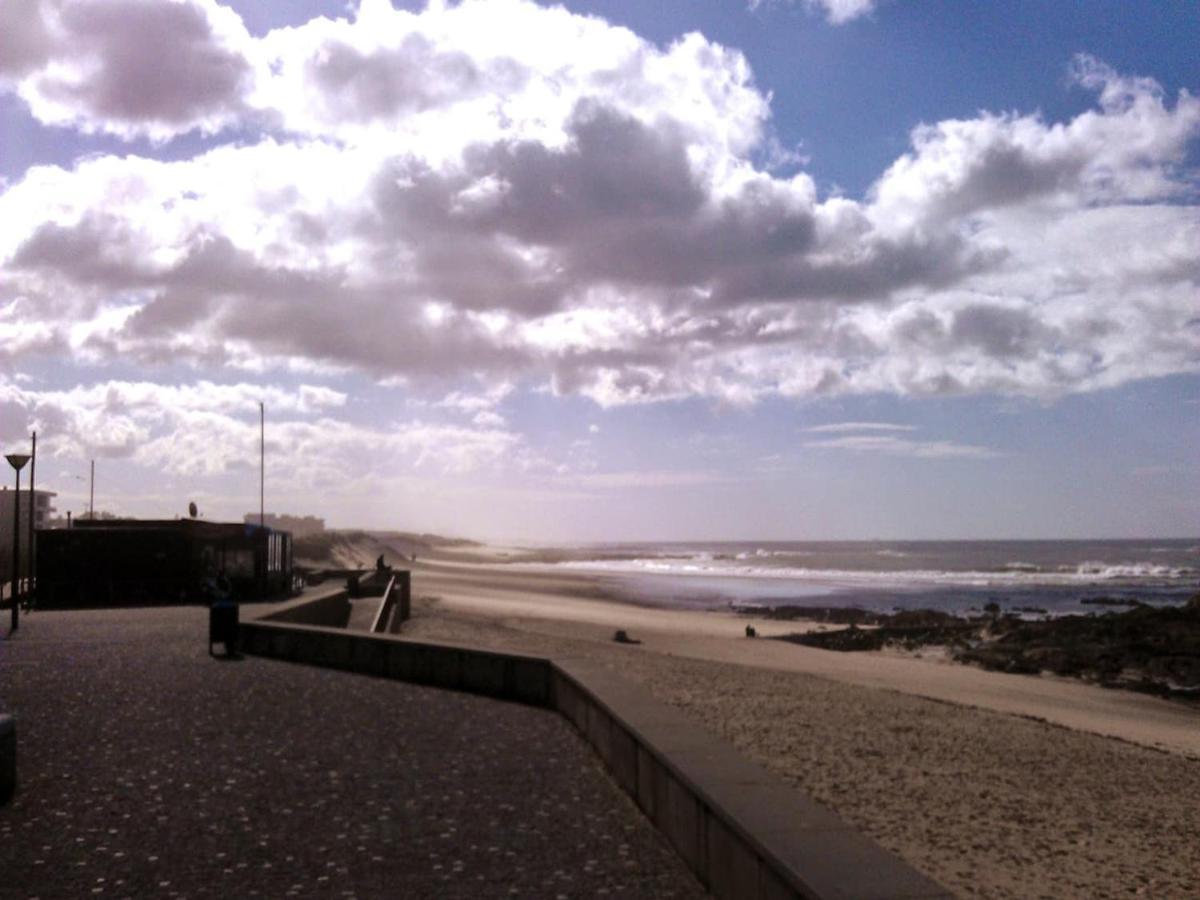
125,66
412,77
25,41
1000,331
1004,174
100,251
160,62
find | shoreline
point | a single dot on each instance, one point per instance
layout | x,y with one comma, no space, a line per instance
1005,786
582,606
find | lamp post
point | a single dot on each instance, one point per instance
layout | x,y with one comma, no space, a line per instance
31,553
17,461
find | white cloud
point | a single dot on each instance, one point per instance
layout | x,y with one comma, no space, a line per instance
205,429
893,446
486,401
642,478
839,427
518,194
838,12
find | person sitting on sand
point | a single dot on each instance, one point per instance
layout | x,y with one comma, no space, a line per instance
750,632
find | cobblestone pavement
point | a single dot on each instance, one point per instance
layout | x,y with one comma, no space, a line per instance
148,769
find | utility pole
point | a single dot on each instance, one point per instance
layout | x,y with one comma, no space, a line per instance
262,464
262,506
92,494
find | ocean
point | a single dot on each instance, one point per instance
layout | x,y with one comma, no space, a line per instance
1026,577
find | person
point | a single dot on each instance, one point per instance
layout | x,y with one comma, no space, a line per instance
750,631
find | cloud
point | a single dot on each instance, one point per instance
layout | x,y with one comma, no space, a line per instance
117,418
893,446
128,67
837,12
839,427
518,194
476,403
647,478
205,433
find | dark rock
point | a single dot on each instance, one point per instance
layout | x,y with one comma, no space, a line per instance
1111,601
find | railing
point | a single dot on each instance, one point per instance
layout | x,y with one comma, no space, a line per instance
384,615
396,605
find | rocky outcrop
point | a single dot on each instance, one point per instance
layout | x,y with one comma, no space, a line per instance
1151,649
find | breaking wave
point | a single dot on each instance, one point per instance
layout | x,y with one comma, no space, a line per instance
1012,574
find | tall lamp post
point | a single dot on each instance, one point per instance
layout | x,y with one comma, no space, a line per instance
31,553
17,461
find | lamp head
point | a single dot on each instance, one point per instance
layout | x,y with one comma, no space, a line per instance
17,460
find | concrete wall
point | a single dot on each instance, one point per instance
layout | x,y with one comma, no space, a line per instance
330,608
743,832
507,676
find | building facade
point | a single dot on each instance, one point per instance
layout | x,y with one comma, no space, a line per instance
127,562
41,507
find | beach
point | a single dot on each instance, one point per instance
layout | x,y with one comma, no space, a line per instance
996,785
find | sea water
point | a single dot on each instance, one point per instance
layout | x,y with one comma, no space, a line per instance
1027,577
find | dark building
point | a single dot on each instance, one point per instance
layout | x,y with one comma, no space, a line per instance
124,562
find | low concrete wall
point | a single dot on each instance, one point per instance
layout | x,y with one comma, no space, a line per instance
741,829
743,832
330,608
507,676
8,758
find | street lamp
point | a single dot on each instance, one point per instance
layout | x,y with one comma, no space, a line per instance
17,461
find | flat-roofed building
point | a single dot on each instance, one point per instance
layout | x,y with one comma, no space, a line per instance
124,562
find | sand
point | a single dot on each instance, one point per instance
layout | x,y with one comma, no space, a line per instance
996,785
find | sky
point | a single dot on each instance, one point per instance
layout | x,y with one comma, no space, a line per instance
608,270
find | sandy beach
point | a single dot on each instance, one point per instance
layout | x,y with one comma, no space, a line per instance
996,785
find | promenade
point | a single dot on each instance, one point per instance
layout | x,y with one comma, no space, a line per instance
146,768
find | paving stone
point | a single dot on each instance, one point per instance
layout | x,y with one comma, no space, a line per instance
148,768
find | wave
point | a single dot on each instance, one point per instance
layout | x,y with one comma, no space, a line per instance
1013,574
1106,571
760,553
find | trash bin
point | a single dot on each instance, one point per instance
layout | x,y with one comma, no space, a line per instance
8,758
223,626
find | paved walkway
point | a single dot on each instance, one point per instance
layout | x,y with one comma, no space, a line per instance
148,769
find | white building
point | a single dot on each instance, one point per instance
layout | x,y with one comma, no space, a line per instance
42,511
297,525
